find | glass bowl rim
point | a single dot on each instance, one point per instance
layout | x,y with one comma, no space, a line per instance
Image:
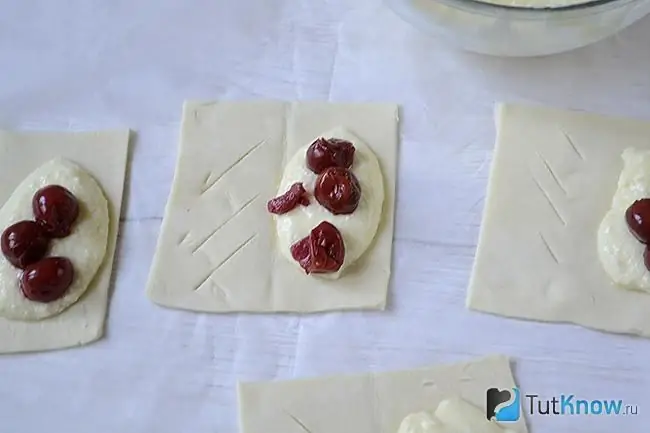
590,4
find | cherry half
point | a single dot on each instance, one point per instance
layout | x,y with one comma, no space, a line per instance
24,243
296,195
56,209
322,251
329,152
47,280
638,219
338,190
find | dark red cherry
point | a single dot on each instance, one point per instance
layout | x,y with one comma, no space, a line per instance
329,152
47,280
24,243
338,190
296,195
56,209
322,251
638,219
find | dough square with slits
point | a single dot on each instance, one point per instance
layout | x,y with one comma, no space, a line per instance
552,181
103,154
217,251
369,403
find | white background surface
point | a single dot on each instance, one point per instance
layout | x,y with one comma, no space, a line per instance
96,64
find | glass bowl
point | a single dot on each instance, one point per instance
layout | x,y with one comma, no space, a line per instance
509,31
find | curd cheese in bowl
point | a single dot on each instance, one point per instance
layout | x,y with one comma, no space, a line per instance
520,28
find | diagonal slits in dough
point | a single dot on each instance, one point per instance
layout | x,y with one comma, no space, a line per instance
553,175
550,202
224,261
183,238
209,183
573,145
551,172
300,423
548,248
223,224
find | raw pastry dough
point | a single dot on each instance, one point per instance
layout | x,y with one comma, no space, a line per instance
370,403
85,247
357,229
217,250
552,180
103,154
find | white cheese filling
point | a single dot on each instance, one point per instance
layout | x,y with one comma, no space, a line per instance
620,253
358,228
85,247
453,415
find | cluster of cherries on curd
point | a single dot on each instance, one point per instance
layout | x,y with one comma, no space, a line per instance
26,243
337,189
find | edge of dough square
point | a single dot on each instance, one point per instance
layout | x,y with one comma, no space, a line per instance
217,248
372,402
104,155
551,183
